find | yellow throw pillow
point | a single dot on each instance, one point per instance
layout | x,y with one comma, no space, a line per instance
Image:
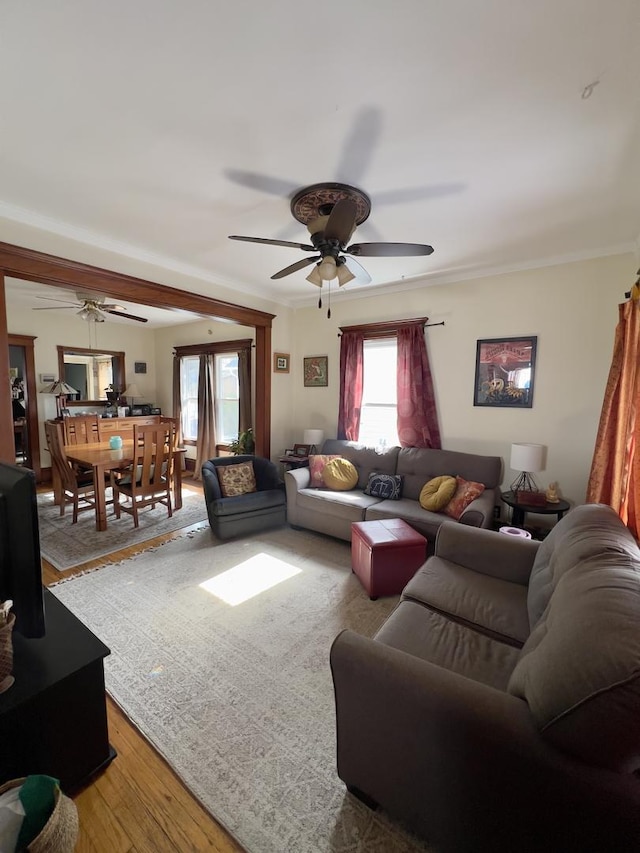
236,480
340,475
437,493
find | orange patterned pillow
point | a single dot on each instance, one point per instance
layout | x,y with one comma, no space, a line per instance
235,480
465,492
316,467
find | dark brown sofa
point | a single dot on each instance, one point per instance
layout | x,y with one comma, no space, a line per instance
498,707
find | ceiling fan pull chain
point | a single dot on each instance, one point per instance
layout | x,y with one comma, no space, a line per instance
329,303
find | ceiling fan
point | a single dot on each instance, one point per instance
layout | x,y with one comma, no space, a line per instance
92,308
331,212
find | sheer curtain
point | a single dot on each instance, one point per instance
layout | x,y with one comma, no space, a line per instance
615,474
417,415
206,448
177,398
351,376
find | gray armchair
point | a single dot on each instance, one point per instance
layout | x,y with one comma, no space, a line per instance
238,516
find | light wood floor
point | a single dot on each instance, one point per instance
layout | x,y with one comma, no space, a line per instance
137,803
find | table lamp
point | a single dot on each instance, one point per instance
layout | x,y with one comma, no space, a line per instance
131,392
61,390
314,438
526,458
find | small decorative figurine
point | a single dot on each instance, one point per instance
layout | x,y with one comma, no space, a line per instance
552,494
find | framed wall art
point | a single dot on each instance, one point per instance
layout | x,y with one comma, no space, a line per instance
505,370
281,362
316,371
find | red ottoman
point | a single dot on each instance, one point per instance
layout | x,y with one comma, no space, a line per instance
386,554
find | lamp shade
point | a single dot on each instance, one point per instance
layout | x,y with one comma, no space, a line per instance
314,437
132,391
59,388
527,457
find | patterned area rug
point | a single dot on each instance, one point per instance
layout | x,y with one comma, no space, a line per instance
238,697
66,545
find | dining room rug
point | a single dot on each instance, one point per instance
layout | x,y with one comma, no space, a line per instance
220,656
66,545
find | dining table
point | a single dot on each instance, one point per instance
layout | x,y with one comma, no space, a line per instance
102,458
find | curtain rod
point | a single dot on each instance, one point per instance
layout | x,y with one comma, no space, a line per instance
425,326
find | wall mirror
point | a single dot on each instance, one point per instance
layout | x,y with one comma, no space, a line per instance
93,374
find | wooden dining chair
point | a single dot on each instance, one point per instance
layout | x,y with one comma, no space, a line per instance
148,480
76,487
81,429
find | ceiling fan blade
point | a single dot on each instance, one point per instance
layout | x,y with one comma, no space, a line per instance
111,306
299,265
56,307
304,246
401,196
341,222
360,273
53,299
388,250
264,183
122,314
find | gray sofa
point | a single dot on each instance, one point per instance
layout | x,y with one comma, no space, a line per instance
332,512
498,707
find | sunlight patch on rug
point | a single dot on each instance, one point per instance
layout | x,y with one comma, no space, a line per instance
250,578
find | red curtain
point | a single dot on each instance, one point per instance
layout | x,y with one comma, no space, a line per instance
417,415
351,378
615,474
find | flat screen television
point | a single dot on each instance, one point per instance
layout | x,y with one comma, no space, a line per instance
20,564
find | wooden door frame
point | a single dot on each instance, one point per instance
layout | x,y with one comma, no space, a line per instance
33,430
30,265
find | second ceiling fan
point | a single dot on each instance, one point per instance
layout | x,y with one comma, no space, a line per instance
331,212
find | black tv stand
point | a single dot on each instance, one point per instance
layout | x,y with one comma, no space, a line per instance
54,718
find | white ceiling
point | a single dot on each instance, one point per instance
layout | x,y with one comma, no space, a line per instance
158,128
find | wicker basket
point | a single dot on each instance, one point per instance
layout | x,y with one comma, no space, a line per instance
60,833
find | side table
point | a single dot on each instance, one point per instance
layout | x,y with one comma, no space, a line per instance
290,462
519,510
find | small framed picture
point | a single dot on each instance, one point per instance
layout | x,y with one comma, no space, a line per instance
505,370
281,362
301,449
140,366
316,371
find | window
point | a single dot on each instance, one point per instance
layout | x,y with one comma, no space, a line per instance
226,372
189,370
227,397
378,417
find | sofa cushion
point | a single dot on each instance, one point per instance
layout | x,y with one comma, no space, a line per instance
437,493
317,463
490,605
418,465
579,671
418,631
466,491
350,505
340,474
250,503
237,479
367,460
384,486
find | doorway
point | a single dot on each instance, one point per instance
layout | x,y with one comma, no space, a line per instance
24,402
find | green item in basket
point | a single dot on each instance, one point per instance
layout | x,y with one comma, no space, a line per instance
38,798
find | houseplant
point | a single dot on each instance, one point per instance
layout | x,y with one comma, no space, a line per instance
244,443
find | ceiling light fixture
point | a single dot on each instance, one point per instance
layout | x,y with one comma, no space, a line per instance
344,274
314,276
327,268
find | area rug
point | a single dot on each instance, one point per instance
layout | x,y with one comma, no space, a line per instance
66,545
238,697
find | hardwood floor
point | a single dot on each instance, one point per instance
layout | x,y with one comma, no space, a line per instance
138,804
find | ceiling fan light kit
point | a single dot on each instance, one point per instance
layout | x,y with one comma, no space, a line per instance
331,212
93,308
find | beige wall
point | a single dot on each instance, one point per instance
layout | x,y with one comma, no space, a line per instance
571,308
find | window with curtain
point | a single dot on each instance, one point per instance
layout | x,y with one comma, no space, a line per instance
231,373
379,410
386,388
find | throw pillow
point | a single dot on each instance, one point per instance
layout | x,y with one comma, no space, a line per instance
316,467
466,491
385,486
340,475
235,480
437,493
